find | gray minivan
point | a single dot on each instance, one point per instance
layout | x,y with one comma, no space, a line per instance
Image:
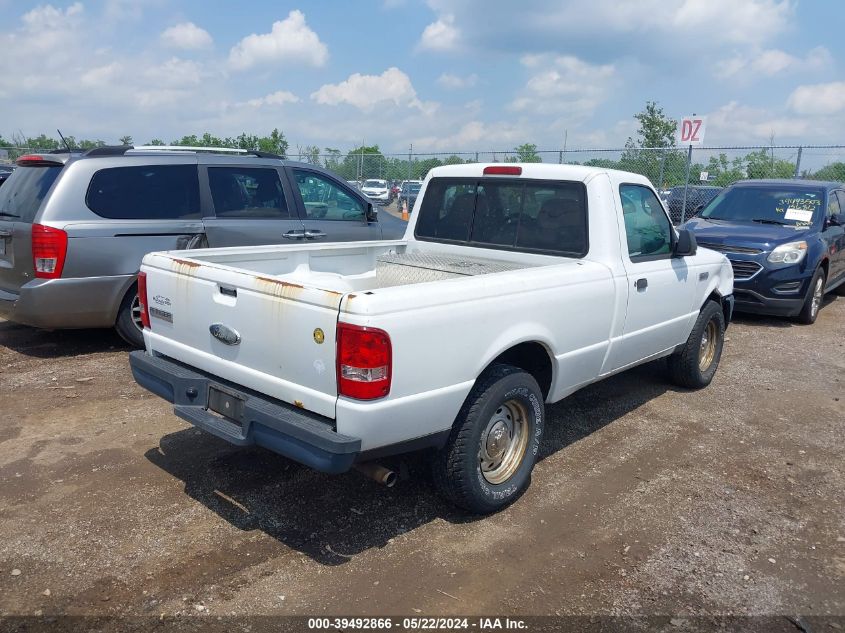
74,227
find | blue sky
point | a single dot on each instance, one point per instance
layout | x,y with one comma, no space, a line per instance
445,75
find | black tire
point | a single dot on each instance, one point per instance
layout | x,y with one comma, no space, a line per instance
457,467
125,324
812,304
685,365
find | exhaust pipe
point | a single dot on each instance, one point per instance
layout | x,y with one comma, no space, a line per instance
378,473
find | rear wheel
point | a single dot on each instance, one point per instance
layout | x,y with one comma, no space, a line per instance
128,323
695,364
810,311
488,459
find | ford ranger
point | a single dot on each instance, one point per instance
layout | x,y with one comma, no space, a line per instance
514,286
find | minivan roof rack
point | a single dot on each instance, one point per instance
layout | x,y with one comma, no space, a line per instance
189,148
108,150
120,150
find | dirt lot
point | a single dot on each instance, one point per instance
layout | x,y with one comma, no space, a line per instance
648,499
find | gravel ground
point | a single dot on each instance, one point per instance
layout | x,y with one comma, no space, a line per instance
648,500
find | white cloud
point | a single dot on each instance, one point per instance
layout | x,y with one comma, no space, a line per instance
456,82
289,41
50,18
563,84
366,91
818,99
440,36
771,62
186,35
474,134
734,123
277,98
743,21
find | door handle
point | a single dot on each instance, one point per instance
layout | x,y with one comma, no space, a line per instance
314,235
641,284
294,235
5,233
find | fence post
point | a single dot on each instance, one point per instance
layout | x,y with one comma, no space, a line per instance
686,185
662,169
798,164
410,154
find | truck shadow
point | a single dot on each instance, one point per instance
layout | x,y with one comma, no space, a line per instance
333,518
31,341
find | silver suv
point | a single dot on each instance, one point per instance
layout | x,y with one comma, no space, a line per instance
74,227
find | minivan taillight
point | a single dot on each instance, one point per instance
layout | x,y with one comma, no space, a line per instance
364,357
142,300
49,249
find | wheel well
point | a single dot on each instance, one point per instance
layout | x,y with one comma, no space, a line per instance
715,296
532,358
824,265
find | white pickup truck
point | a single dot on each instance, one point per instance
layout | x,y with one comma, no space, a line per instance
515,285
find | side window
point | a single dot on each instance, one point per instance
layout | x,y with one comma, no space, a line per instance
841,196
152,192
833,204
324,200
647,228
247,192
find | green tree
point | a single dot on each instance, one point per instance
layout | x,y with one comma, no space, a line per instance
653,147
156,141
453,160
834,171
126,140
763,164
527,153
723,172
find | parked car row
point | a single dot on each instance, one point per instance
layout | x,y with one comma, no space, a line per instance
5,172
74,226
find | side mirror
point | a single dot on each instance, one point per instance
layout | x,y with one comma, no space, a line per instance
372,213
685,244
837,219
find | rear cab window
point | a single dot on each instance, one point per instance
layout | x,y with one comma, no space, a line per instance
147,192
22,194
507,214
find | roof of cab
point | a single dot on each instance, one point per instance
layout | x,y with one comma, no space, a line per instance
539,171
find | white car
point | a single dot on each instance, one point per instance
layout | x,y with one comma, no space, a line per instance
377,190
514,286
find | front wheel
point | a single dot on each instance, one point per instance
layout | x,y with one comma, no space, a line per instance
487,461
810,310
694,365
128,323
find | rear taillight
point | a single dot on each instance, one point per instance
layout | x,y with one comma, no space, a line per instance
364,357
49,249
142,300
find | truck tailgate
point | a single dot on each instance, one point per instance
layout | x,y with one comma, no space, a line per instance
285,332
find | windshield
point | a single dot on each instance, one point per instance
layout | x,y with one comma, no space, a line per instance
24,191
375,184
775,205
413,187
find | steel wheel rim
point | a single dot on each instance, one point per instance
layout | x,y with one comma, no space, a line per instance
817,298
707,348
135,310
504,442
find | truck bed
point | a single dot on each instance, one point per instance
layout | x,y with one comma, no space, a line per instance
363,269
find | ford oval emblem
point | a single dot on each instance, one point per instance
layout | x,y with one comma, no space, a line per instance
224,334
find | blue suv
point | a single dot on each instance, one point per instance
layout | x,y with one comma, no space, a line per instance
785,240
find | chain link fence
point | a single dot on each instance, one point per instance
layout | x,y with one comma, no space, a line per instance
685,177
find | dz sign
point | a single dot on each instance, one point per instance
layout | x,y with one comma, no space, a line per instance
692,130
